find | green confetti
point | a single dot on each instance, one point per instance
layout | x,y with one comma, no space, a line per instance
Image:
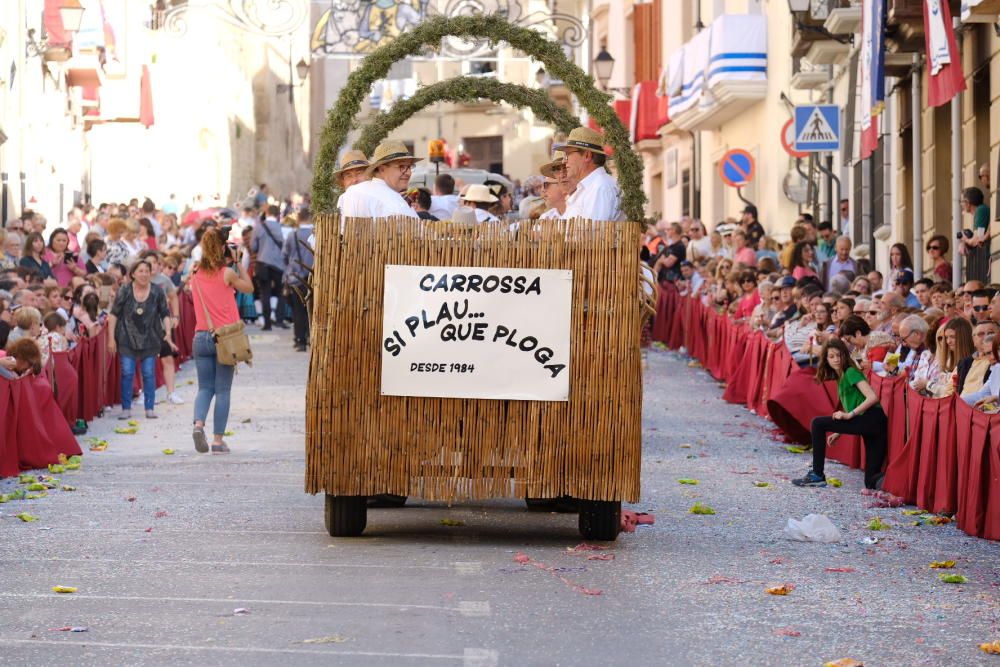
67,487
72,466
26,479
36,496
762,485
691,482
452,522
795,449
168,452
834,482
126,430
229,433
37,486
698,508
878,524
953,578
56,468
25,517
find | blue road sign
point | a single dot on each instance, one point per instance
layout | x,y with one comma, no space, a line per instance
736,167
817,128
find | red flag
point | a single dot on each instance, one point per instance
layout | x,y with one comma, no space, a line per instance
145,99
950,80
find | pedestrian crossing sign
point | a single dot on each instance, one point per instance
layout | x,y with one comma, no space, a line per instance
817,128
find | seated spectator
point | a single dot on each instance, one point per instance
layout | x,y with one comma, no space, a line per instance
842,309
973,371
875,280
990,391
764,311
742,252
23,358
785,308
937,248
751,295
954,343
798,236
860,414
823,330
798,330
912,337
97,251
767,248
904,286
889,306
980,304
55,336
867,346
32,256
29,324
803,256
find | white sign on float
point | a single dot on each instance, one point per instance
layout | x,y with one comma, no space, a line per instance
476,332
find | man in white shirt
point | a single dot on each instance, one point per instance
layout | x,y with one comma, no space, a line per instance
444,201
391,168
480,199
597,196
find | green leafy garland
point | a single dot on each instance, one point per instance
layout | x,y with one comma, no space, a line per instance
464,89
496,29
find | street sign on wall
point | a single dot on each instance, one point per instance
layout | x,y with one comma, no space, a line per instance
788,139
817,128
736,168
476,332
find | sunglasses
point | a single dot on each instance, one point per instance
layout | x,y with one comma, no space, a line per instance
933,247
980,309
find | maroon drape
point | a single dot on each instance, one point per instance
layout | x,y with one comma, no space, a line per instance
9,465
991,523
973,439
42,431
739,369
66,382
891,392
666,309
800,400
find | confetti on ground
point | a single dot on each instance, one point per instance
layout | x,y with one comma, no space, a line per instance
64,589
36,496
783,589
938,520
720,579
69,628
878,524
36,486
229,433
583,546
840,569
452,522
72,466
132,422
844,662
56,469
691,482
993,648
787,632
685,446
97,445
160,514
834,482
942,564
241,611
762,485
26,479
168,452
25,517
698,508
694,363
914,512
524,559
795,449
126,430
329,639
953,578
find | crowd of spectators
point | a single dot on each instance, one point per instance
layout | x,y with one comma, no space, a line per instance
125,265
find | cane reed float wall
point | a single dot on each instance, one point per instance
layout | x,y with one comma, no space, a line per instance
943,456
428,35
362,443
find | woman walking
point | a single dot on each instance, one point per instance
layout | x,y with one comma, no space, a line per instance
218,273
140,319
861,415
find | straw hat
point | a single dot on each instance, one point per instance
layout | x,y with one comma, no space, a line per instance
584,139
861,251
351,160
548,169
479,193
390,151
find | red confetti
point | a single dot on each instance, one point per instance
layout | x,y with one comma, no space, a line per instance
131,499
840,569
601,557
160,514
524,559
787,632
719,579
778,561
149,530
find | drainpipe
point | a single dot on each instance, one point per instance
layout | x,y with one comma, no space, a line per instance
956,172
916,129
696,138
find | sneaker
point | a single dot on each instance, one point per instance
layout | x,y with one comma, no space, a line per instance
300,348
220,449
200,441
151,415
175,399
811,479
124,415
281,324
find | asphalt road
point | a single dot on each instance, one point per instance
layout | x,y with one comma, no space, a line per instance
164,549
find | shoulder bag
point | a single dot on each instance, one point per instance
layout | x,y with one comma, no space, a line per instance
232,344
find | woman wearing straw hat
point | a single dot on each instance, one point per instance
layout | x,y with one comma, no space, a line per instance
390,171
479,198
597,196
553,190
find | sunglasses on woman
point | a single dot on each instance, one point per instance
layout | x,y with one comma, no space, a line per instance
933,247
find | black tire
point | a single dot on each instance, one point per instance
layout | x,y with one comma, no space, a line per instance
346,516
386,500
600,520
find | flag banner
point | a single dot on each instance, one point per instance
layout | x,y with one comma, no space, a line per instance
945,78
872,73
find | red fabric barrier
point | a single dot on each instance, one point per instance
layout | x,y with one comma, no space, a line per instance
800,400
666,309
66,383
891,392
42,432
739,370
973,438
756,356
991,523
936,484
9,465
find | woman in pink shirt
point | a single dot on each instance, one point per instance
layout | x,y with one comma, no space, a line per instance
802,261
65,265
743,254
215,277
751,296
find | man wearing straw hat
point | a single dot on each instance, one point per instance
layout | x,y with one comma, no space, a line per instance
553,187
352,171
390,171
479,198
597,196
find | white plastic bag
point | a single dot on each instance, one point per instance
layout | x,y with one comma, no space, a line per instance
812,528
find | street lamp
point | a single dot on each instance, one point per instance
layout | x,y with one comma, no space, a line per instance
71,13
302,69
604,65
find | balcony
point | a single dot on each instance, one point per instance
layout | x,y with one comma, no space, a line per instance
807,77
811,26
980,11
719,73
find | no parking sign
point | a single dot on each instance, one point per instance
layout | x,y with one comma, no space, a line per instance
736,168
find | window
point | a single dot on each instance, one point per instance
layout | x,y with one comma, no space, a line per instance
686,192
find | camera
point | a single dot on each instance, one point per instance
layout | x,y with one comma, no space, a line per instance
70,257
967,233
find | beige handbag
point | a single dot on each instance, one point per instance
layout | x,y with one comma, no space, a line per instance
232,344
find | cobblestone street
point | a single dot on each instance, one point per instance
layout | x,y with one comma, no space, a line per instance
223,560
